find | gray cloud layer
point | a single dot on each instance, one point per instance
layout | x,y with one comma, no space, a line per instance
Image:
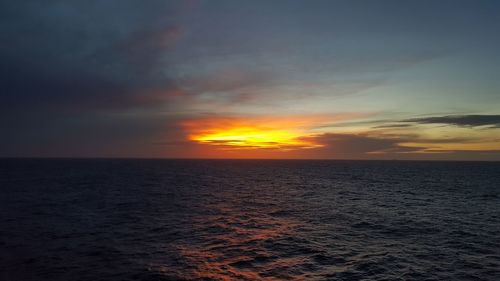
93,77
460,120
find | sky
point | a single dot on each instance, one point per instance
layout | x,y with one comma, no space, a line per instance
304,79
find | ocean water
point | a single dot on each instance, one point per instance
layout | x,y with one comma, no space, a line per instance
249,220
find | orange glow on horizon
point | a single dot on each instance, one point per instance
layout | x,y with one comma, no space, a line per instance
254,137
251,134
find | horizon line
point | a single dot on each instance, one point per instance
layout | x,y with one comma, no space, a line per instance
233,159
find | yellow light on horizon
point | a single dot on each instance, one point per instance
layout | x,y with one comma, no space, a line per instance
250,137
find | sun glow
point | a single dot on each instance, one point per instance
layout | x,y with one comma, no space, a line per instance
248,137
242,135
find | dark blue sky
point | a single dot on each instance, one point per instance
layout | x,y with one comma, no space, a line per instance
358,79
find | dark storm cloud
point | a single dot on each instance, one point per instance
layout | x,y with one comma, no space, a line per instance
85,78
70,56
460,120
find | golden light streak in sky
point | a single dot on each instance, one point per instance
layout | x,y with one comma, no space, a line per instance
238,133
254,137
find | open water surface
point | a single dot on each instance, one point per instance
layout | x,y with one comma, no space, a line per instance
248,220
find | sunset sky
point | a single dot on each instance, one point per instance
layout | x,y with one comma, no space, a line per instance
251,79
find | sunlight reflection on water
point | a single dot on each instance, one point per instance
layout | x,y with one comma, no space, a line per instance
249,220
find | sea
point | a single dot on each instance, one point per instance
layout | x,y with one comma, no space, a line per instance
140,219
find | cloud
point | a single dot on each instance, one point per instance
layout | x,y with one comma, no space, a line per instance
460,120
358,145
152,40
95,76
393,126
33,90
57,60
335,146
86,77
305,142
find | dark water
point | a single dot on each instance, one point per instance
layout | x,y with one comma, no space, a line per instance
248,220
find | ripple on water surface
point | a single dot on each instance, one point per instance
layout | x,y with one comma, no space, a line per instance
248,220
